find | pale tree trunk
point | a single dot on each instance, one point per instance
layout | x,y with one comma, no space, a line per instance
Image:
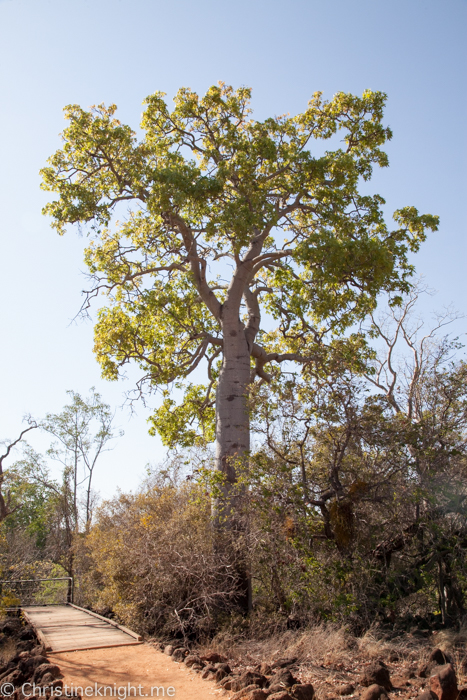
233,440
232,420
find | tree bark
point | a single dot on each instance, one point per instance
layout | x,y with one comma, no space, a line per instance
232,419
233,444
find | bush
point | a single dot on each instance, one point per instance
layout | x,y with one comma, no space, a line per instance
159,564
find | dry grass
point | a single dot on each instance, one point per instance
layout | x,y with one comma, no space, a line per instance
323,645
328,655
451,640
413,650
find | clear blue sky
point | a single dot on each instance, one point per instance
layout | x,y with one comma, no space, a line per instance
56,52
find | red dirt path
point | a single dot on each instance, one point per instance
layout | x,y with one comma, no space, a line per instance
135,665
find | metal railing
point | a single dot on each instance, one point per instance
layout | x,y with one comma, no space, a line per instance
37,591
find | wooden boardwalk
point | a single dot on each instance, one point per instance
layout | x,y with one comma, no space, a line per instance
69,628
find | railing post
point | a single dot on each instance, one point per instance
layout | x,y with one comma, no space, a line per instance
70,591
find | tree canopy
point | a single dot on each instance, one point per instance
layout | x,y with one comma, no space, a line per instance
239,248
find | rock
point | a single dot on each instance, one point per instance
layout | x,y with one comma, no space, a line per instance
213,657
220,674
444,683
439,657
265,669
179,654
197,667
11,626
193,659
226,683
374,692
27,635
41,670
302,691
209,671
223,667
283,678
256,694
376,674
28,665
14,678
38,650
248,678
281,695
283,663
275,689
427,695
243,692
436,658
169,649
9,667
345,689
49,681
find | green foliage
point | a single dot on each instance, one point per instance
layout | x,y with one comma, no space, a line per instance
33,503
187,425
209,187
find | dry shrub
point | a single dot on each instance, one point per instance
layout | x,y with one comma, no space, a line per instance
158,564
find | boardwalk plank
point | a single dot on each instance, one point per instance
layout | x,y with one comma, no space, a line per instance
66,628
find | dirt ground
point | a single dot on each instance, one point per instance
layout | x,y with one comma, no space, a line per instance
141,665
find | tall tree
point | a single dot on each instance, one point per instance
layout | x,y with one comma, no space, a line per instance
82,432
232,224
57,511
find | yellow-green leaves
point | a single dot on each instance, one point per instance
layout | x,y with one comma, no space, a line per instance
190,423
221,212
414,226
99,165
163,329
